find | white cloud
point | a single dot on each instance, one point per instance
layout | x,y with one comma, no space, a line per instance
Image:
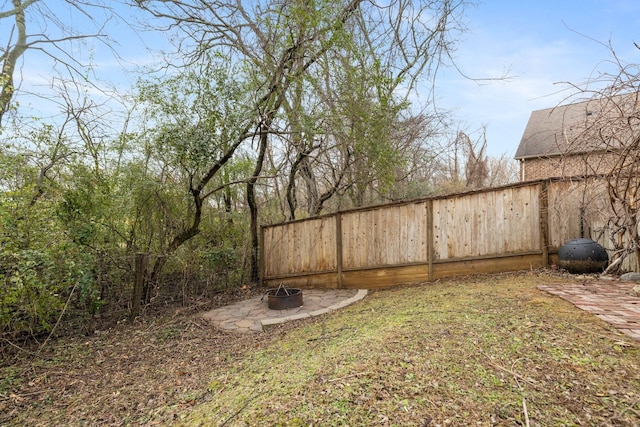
540,58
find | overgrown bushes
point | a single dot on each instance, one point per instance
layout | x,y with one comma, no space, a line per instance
68,253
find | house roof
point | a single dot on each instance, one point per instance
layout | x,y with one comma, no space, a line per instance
571,128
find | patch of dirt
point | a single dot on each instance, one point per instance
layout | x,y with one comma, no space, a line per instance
148,372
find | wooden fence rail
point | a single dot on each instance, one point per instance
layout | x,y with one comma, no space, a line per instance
515,227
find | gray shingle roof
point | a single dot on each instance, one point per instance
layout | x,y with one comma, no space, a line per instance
567,128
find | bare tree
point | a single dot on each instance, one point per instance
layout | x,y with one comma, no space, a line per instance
609,144
459,162
502,170
462,163
34,26
476,169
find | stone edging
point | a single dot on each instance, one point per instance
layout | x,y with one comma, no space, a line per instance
266,323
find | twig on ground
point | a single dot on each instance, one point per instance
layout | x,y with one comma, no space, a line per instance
242,408
23,395
64,310
526,413
617,340
357,374
630,409
19,348
507,370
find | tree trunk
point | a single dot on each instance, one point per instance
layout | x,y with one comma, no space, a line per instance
11,57
253,207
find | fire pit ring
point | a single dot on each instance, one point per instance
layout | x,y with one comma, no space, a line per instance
283,298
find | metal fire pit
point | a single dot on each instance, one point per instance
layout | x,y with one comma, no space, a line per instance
283,298
582,256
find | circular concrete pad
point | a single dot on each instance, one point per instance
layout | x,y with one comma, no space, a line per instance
253,315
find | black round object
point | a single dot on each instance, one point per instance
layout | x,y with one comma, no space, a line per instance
284,298
582,256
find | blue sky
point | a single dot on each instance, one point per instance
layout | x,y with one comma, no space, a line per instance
541,44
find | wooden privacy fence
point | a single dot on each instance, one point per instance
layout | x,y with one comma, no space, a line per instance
510,228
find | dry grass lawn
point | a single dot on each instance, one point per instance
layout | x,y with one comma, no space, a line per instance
474,351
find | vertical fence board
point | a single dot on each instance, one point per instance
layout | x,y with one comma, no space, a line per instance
564,211
384,236
300,247
486,223
429,236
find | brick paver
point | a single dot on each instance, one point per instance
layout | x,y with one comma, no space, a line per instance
611,301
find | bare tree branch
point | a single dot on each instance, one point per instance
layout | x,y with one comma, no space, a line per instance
50,45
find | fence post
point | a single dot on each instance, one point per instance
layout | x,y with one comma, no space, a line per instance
263,268
543,215
339,249
430,238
